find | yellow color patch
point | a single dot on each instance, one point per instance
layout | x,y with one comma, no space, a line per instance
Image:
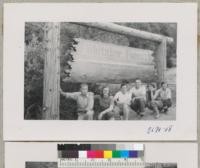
107,154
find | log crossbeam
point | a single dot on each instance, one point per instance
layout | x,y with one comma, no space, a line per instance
127,31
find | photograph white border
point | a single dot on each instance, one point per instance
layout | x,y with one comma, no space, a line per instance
179,153
16,128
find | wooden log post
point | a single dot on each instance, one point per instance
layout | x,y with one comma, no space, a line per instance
161,60
51,85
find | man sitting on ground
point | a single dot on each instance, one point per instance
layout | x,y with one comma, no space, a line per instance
138,98
162,99
122,101
85,102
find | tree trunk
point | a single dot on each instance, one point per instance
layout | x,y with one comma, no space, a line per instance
51,95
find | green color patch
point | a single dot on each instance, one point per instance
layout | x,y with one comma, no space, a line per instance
116,154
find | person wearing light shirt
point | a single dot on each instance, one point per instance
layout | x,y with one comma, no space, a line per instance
138,95
162,99
84,100
122,101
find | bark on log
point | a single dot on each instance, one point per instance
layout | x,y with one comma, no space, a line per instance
123,30
161,60
108,63
51,85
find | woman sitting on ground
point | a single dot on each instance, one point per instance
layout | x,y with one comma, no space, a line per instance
104,109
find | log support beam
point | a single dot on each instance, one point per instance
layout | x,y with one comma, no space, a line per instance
161,60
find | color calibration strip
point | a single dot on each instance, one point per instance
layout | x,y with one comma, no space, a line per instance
101,154
105,151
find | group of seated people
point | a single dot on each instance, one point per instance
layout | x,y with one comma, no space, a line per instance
118,107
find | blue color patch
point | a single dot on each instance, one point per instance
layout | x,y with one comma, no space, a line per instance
124,154
133,154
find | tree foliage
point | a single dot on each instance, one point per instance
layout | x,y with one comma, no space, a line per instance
166,29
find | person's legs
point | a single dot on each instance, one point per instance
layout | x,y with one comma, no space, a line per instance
166,104
149,105
141,106
126,111
134,106
108,116
96,115
138,106
117,111
121,111
156,105
90,114
81,116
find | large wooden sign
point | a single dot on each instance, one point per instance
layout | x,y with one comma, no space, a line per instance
104,62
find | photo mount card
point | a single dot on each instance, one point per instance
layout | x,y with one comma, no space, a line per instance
55,57
171,155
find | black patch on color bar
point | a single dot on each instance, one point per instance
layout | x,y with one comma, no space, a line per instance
70,154
74,147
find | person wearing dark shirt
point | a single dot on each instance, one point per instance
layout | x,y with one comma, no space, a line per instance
150,91
105,105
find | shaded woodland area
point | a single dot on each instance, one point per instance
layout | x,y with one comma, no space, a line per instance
35,51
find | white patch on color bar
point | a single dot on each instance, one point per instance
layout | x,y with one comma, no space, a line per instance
82,154
139,147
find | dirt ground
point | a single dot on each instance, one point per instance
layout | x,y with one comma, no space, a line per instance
149,115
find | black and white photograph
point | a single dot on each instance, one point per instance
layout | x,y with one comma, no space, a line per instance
100,71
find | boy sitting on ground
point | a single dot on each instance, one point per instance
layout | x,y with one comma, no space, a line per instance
122,101
162,99
138,100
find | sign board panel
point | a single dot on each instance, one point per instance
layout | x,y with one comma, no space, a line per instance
104,62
